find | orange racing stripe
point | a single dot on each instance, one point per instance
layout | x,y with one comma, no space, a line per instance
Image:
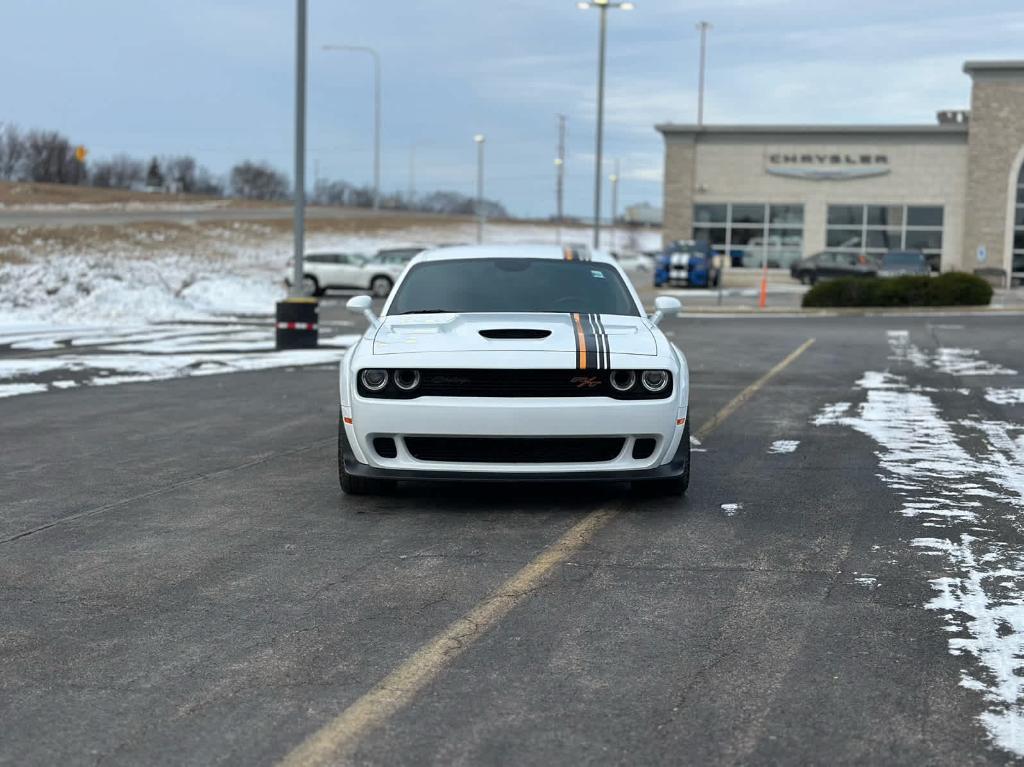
581,343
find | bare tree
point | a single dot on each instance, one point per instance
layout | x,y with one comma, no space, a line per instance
258,181
180,173
12,153
207,183
119,172
49,157
154,176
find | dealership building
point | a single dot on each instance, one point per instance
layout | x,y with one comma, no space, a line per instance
774,193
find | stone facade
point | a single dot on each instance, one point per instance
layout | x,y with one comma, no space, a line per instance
994,154
680,165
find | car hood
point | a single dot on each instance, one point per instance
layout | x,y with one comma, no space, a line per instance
508,332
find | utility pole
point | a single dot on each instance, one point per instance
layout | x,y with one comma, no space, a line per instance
560,177
299,217
703,26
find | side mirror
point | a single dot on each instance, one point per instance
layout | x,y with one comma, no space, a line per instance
665,305
363,305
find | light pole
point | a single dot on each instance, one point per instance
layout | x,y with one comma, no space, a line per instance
376,111
614,178
603,6
560,177
299,218
480,140
703,27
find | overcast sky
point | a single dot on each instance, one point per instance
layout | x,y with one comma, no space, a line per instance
214,78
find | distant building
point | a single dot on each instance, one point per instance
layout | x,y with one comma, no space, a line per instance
643,214
954,190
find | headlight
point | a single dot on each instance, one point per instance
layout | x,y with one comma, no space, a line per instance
407,380
374,379
654,380
622,380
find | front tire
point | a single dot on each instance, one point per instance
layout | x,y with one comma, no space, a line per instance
352,485
310,286
675,485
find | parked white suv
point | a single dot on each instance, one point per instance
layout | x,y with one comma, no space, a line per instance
330,270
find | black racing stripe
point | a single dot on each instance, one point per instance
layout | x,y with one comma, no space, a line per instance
605,347
592,325
590,335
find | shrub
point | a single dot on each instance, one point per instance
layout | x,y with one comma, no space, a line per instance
949,289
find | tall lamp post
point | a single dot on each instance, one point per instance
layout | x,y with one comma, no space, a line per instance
614,178
299,218
560,177
480,140
602,6
376,111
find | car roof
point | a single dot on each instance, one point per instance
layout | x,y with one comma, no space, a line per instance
461,252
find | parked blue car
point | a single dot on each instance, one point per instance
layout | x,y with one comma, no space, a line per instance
689,263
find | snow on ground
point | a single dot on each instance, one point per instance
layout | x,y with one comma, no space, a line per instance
940,466
782,446
155,279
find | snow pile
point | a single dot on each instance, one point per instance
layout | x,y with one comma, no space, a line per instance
99,289
156,276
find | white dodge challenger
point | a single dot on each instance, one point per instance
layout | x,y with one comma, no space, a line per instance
513,363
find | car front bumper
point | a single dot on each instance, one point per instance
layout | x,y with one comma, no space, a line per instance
660,420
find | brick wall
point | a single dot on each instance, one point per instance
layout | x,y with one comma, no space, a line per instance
680,167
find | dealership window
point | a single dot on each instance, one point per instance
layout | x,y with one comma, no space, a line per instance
752,233
1018,227
875,229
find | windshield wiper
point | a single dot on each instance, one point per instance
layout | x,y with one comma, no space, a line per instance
429,311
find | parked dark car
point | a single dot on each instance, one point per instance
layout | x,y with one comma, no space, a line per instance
830,264
688,263
896,263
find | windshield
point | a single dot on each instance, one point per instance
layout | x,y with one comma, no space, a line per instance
903,259
513,285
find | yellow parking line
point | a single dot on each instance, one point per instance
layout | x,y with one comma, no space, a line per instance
750,391
335,741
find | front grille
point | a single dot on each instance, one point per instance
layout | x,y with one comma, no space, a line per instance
515,449
517,383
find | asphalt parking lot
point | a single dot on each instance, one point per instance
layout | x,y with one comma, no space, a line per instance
182,582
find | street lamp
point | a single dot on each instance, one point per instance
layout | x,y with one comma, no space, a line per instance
376,111
614,178
480,139
603,6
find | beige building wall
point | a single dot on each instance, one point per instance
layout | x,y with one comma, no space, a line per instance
928,168
995,151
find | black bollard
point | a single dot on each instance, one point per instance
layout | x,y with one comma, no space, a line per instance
296,324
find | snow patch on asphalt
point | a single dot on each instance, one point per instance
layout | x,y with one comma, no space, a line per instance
781,446
924,459
1005,396
952,360
732,509
158,355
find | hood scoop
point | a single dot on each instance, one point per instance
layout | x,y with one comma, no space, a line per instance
515,333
